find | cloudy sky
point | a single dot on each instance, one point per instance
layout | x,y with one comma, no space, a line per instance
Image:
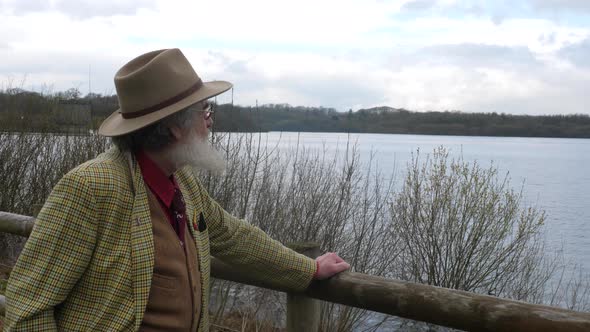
520,56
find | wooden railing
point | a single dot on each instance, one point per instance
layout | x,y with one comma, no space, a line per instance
436,305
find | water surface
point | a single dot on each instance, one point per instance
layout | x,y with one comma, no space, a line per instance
553,172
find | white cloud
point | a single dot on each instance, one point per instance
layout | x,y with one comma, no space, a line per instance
343,54
517,32
488,90
562,5
419,4
81,9
24,6
301,23
578,54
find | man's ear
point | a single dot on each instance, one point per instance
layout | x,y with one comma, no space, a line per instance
176,132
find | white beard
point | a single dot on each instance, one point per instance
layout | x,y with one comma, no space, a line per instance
198,153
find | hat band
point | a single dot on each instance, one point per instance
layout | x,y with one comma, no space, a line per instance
165,103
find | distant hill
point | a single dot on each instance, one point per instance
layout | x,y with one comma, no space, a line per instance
382,109
22,110
390,120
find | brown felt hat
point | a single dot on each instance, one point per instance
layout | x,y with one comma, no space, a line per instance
153,86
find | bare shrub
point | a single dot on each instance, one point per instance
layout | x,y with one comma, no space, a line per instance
463,227
31,164
570,288
452,224
306,195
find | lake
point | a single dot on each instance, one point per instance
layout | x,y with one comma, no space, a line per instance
553,172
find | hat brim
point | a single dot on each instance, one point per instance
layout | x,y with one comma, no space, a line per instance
116,125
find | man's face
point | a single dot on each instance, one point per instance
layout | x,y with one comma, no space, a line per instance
203,120
193,147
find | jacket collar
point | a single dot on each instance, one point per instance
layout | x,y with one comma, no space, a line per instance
160,184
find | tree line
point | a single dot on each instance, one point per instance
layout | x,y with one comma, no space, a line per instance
386,120
22,110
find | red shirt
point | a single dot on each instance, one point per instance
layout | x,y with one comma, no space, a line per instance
162,187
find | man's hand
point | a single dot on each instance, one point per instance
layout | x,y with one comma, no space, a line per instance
328,265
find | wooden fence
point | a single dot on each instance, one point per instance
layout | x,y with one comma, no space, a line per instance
436,305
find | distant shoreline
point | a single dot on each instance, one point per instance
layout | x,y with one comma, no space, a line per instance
72,114
3,132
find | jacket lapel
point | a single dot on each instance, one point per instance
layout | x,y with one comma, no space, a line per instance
142,242
191,211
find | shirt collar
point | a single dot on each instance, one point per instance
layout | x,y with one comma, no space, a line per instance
161,185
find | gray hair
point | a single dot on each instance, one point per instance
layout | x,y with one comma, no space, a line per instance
155,136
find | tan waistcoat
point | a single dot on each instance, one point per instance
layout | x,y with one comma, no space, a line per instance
174,302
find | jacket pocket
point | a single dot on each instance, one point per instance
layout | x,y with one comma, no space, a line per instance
163,282
202,223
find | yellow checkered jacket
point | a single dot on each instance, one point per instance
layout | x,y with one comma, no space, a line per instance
88,263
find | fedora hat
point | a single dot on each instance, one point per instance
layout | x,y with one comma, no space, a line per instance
153,86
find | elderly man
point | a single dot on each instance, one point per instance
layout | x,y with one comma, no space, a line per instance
123,242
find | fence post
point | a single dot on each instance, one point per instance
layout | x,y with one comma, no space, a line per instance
303,313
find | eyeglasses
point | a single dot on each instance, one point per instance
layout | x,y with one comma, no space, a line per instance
207,108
